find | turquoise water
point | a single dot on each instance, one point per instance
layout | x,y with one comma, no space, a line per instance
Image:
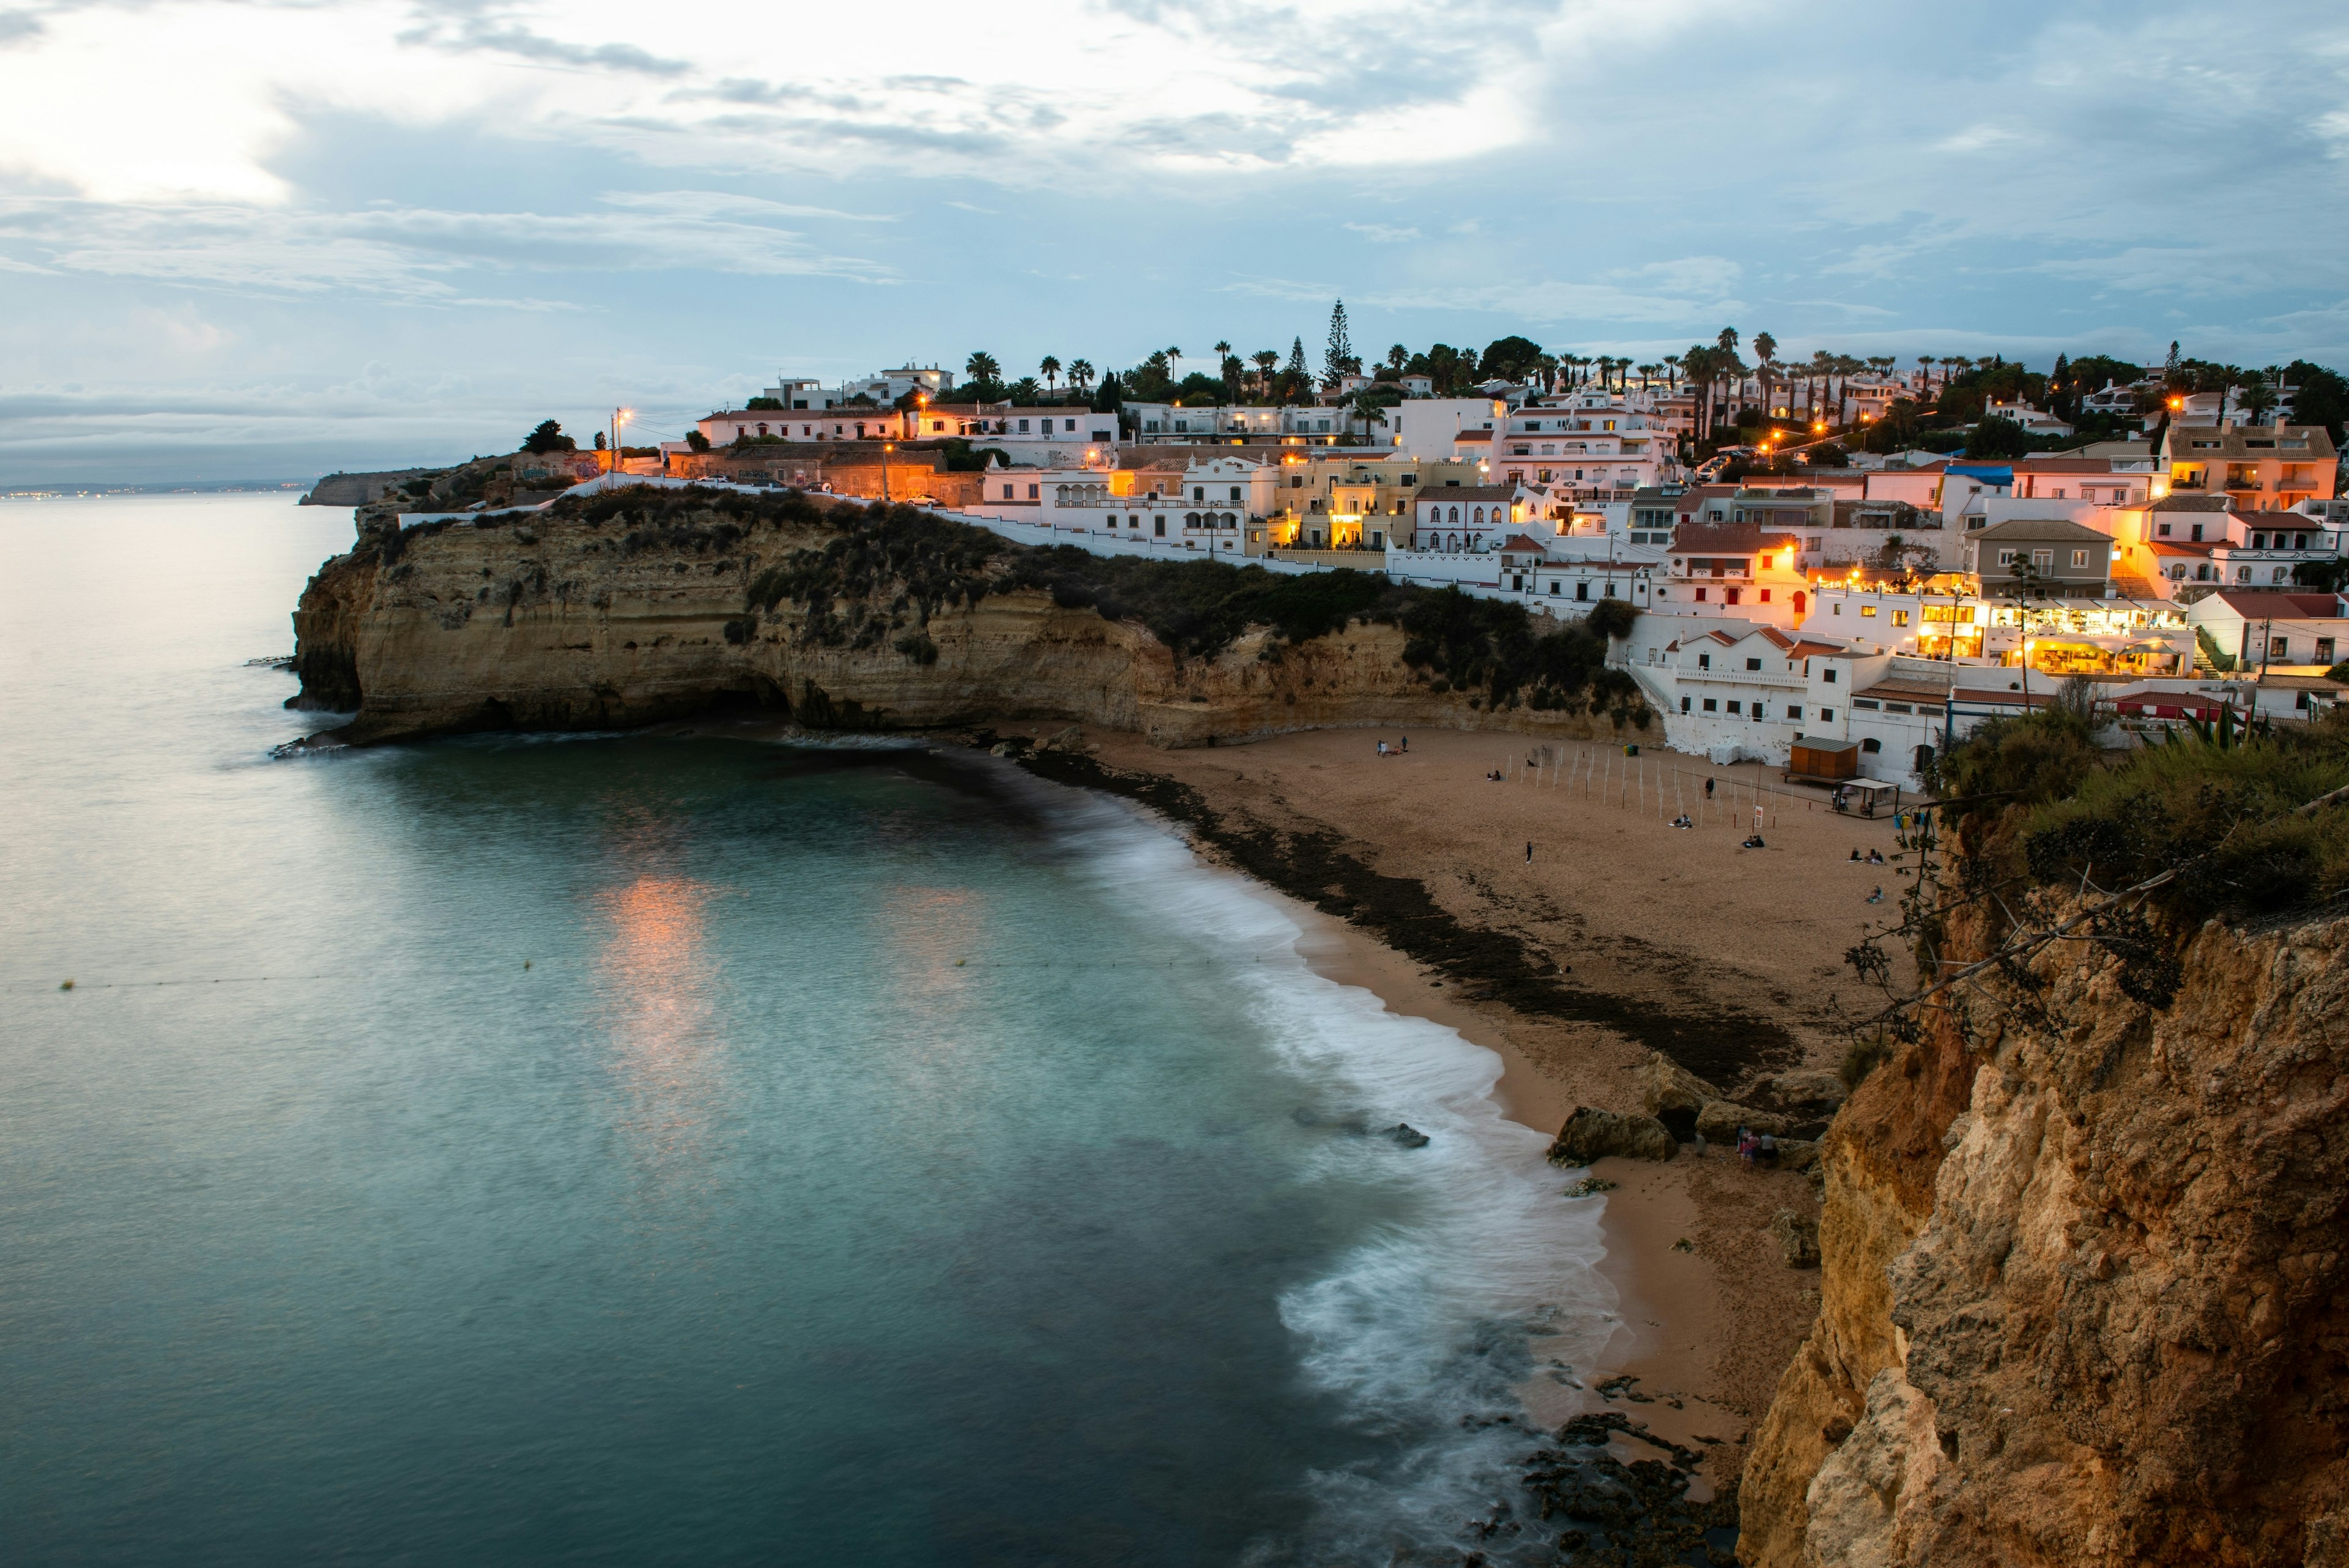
685,1149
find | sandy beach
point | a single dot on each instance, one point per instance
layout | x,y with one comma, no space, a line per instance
1620,934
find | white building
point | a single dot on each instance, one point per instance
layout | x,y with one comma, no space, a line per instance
1432,426
1587,445
2266,630
1474,518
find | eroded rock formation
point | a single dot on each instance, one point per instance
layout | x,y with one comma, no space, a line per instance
587,618
2081,1290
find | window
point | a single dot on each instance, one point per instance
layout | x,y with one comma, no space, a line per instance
2259,541
1159,526
1838,609
1729,595
1236,493
1733,705
1699,596
1871,745
1068,424
2161,530
1826,715
1031,493
2079,557
1582,591
2324,651
2005,559
1899,618
1704,661
1898,708
1794,711
1753,664
2279,649
1867,612
1684,704
1710,705
1007,492
1867,702
1023,427
1766,596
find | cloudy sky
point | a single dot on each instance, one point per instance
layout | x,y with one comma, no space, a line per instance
255,240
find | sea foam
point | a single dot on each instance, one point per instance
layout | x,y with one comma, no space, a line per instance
1421,1332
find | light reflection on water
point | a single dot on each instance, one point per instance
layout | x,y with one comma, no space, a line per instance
747,1224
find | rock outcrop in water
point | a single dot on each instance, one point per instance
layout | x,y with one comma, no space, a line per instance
2081,1301
640,606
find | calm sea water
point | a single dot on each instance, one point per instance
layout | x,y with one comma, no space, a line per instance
699,1150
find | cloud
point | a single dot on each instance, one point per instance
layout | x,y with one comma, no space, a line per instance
1384,233
18,27
472,34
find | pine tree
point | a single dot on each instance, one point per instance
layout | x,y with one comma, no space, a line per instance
1297,360
1339,356
2171,375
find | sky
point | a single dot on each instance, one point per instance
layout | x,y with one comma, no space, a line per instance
264,241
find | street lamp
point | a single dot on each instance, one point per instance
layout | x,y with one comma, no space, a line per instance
619,418
886,448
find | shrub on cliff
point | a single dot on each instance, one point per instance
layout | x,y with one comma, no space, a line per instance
2236,822
1198,608
1475,643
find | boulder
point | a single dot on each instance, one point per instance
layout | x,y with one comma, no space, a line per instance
1072,739
1719,1120
1591,1133
1407,1135
1666,1085
1798,1238
1812,1088
1797,1154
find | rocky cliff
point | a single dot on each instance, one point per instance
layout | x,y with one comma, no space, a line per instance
2081,1301
640,606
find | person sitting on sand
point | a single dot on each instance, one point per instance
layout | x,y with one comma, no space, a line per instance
1754,842
1854,855
1877,896
1875,857
1683,821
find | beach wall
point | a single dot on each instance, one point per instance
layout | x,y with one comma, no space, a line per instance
2082,1289
555,620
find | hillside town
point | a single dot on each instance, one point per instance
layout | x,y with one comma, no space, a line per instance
1850,556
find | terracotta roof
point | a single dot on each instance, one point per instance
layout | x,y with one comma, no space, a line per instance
2042,528
2177,503
1447,493
1726,539
2251,604
1809,648
1905,691
2183,547
2062,465
1521,543
1473,435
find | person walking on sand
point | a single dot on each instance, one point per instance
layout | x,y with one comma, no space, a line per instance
1708,789
1529,851
1405,743
1382,748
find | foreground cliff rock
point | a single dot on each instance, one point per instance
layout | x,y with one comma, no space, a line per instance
642,605
2081,1301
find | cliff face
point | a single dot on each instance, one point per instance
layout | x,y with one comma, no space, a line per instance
2080,1303
565,623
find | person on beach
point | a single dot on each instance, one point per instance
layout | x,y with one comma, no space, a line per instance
1708,789
1878,896
1875,857
1855,854
1382,748
1699,1146
1765,1154
1529,851
1746,1145
1754,842
1405,743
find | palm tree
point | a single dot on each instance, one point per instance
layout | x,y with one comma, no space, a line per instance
2259,396
1765,350
1080,374
1265,360
982,366
1172,355
1671,370
1052,368
1398,357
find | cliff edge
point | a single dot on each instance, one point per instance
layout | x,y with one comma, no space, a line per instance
640,605
2083,1265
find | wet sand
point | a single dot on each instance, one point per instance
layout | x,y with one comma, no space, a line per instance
1622,934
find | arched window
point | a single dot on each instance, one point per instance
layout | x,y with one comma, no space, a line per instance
1190,520
2243,573
2279,575
1798,601
1480,516
1455,514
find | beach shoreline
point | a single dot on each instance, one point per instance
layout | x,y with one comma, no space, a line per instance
1709,1313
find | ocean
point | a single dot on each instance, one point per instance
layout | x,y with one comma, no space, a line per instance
691,1147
